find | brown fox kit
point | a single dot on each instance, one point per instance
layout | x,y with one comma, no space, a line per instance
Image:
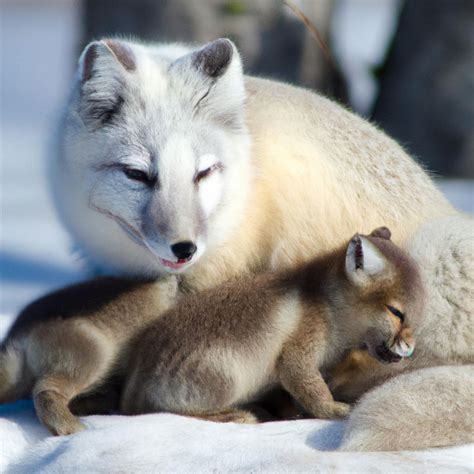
66,344
223,348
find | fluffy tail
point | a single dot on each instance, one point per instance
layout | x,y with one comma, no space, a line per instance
12,380
416,410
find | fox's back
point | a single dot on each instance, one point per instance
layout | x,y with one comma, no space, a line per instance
325,173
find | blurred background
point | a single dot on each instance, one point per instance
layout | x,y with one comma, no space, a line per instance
407,65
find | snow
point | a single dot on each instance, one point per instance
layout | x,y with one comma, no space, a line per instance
169,443
35,258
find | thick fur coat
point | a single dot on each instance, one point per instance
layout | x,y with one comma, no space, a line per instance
288,175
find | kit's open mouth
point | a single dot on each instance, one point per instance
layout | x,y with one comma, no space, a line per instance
384,354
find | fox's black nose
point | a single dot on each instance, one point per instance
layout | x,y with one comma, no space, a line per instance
183,250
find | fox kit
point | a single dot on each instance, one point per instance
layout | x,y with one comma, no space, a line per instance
223,348
66,344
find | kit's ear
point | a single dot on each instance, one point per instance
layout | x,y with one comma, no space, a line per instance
364,261
105,56
381,233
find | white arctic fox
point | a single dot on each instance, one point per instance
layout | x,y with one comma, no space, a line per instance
171,160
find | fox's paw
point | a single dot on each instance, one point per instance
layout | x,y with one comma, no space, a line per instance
64,427
341,410
332,410
70,428
230,416
53,412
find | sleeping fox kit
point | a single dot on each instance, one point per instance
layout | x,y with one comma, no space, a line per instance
225,347
214,351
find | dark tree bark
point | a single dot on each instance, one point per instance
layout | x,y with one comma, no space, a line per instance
272,41
427,85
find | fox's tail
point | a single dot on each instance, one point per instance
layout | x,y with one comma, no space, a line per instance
421,409
13,384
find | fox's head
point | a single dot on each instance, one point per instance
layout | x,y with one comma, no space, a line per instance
385,293
155,150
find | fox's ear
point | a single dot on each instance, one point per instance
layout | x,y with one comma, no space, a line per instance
214,58
381,233
107,56
364,261
212,81
102,67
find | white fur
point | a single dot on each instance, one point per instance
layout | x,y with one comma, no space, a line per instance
161,90
402,348
444,251
372,261
425,408
210,192
206,161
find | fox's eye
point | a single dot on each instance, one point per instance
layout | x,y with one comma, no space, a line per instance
205,173
396,313
137,175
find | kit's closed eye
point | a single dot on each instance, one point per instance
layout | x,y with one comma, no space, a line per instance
396,312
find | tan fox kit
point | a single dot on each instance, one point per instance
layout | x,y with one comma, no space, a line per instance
224,347
66,344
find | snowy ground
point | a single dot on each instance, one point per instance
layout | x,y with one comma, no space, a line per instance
35,258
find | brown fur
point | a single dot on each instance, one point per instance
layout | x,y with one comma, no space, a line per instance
65,345
224,347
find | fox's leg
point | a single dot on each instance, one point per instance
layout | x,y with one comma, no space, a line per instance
68,362
302,380
51,396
